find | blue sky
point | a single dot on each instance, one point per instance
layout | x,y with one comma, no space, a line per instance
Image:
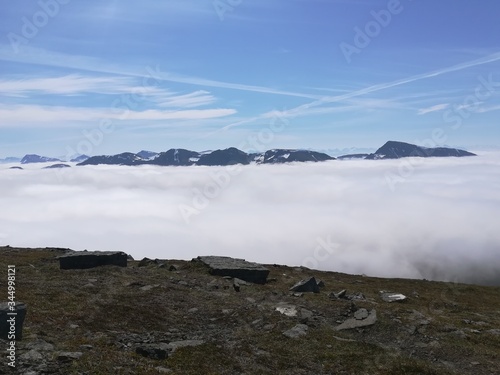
107,76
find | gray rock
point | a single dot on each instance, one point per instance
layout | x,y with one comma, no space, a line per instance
494,332
237,268
339,295
361,314
297,331
31,356
321,284
351,323
91,259
12,325
306,285
68,356
173,346
163,370
358,296
392,297
40,345
288,310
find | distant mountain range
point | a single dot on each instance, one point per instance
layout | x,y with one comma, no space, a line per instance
230,156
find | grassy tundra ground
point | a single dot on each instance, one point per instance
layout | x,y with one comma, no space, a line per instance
106,312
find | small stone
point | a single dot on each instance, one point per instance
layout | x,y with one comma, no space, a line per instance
40,345
163,370
392,297
68,356
297,331
361,314
173,346
193,310
172,268
338,295
288,310
31,356
268,327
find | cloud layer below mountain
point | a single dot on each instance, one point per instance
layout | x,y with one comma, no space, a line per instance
418,218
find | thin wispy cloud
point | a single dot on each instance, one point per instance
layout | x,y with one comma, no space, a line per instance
13,116
32,55
66,85
434,108
371,89
193,99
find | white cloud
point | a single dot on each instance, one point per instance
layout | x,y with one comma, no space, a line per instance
434,108
441,222
65,85
14,115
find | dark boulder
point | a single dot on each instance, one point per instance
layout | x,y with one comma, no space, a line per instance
307,285
238,268
91,259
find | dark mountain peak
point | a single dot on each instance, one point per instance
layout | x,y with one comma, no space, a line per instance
147,154
79,158
396,150
57,166
277,156
33,158
125,158
175,156
229,156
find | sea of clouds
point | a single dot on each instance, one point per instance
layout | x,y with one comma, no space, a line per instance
417,218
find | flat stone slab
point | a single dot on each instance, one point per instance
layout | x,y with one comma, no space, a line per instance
351,323
237,268
91,259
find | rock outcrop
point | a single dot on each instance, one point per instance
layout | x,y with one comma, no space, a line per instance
91,259
233,267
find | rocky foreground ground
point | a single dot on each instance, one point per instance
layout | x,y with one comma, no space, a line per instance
174,317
